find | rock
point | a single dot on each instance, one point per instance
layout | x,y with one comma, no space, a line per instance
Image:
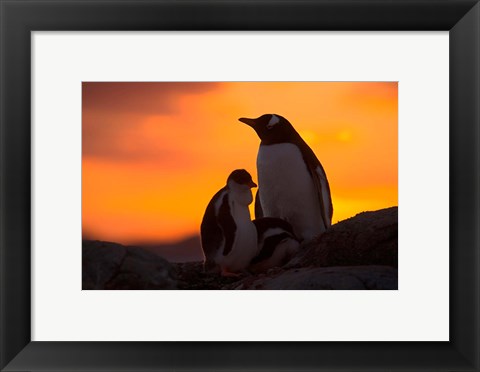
100,262
369,238
113,266
191,276
351,278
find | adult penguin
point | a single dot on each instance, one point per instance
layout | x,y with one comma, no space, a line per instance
292,182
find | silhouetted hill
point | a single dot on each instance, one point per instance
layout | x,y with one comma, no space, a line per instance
187,250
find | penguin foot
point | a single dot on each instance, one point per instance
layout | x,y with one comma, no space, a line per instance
228,274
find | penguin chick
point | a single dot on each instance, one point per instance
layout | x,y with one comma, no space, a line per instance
292,182
277,244
228,236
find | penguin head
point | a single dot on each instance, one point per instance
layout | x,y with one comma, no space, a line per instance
242,178
239,183
271,128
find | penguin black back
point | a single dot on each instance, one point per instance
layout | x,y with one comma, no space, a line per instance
265,223
272,233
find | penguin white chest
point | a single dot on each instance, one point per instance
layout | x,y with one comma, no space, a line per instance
245,244
287,190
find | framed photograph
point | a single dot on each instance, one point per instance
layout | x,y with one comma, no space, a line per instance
239,185
169,175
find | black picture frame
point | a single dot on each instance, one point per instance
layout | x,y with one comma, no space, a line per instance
19,18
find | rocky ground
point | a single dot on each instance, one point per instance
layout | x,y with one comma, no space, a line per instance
114,266
358,253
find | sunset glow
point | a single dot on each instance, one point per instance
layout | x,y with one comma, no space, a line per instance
155,153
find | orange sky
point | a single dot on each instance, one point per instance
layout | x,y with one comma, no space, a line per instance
155,153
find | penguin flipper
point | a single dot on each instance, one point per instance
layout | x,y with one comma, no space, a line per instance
211,235
258,206
320,181
227,224
323,189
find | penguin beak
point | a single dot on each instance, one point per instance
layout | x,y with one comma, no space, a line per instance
250,122
252,184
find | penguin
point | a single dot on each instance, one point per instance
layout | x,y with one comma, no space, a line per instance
292,182
277,244
227,233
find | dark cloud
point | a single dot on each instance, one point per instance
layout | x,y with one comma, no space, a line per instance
113,113
138,97
122,138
